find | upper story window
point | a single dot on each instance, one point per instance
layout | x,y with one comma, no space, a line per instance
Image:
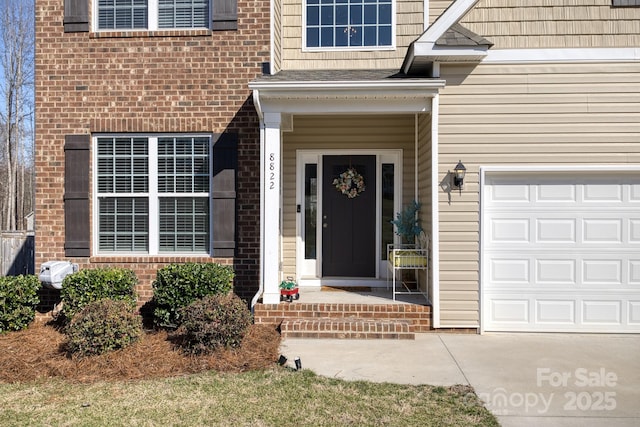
349,23
152,14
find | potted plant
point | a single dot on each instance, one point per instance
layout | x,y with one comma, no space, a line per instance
407,223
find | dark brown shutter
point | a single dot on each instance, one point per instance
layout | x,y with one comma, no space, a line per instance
225,15
76,16
223,194
76,195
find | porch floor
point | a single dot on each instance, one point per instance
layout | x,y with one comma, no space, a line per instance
352,313
354,296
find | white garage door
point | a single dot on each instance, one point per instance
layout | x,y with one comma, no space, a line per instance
561,253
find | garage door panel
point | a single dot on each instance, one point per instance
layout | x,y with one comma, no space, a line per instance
516,192
510,311
556,193
556,271
510,271
606,193
633,309
601,272
561,253
514,230
634,230
602,312
556,311
556,230
604,230
634,272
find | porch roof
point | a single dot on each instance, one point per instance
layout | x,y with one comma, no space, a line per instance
343,91
339,76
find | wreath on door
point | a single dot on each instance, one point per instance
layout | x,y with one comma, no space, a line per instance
350,183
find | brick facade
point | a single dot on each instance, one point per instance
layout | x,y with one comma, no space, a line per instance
162,81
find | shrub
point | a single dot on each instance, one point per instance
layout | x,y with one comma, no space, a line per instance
18,300
212,322
86,286
178,285
102,326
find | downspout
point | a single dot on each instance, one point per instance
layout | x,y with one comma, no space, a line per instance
258,107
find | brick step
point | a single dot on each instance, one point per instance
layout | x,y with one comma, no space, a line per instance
346,328
418,317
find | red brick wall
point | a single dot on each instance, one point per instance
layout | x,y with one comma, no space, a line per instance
178,81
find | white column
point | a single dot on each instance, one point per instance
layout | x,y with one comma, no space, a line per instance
271,235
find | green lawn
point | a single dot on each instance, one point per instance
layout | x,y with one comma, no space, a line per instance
270,398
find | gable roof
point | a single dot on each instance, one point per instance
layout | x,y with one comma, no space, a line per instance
446,40
459,36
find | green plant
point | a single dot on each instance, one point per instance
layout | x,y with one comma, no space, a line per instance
18,300
86,286
288,284
178,285
102,326
407,222
212,322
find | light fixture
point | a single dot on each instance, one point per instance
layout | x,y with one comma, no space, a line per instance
458,175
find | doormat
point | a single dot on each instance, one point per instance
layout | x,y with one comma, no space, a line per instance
346,288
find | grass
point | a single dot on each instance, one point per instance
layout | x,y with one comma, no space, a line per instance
273,397
152,383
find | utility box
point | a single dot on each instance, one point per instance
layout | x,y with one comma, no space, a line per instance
52,273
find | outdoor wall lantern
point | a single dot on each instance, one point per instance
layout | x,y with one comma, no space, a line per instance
458,175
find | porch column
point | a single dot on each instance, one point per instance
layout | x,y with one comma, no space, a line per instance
271,234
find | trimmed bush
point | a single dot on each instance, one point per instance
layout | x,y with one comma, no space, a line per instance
178,285
212,322
86,286
102,326
18,301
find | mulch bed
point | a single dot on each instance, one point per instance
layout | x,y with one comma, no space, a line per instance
38,353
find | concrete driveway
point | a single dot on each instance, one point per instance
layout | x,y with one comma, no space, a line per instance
525,379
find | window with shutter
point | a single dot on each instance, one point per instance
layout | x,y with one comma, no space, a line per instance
166,14
153,194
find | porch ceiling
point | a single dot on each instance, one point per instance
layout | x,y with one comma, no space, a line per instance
343,91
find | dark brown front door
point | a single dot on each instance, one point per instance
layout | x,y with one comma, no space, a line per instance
348,224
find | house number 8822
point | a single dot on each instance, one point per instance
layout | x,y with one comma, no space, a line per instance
272,174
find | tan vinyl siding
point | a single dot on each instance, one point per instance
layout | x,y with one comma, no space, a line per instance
277,35
436,8
343,132
519,24
552,114
409,24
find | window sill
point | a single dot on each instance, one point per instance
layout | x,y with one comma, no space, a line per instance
349,49
146,33
146,259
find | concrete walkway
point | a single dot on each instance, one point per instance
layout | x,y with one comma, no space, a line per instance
525,379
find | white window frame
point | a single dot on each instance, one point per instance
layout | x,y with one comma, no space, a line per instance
153,196
306,48
152,19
